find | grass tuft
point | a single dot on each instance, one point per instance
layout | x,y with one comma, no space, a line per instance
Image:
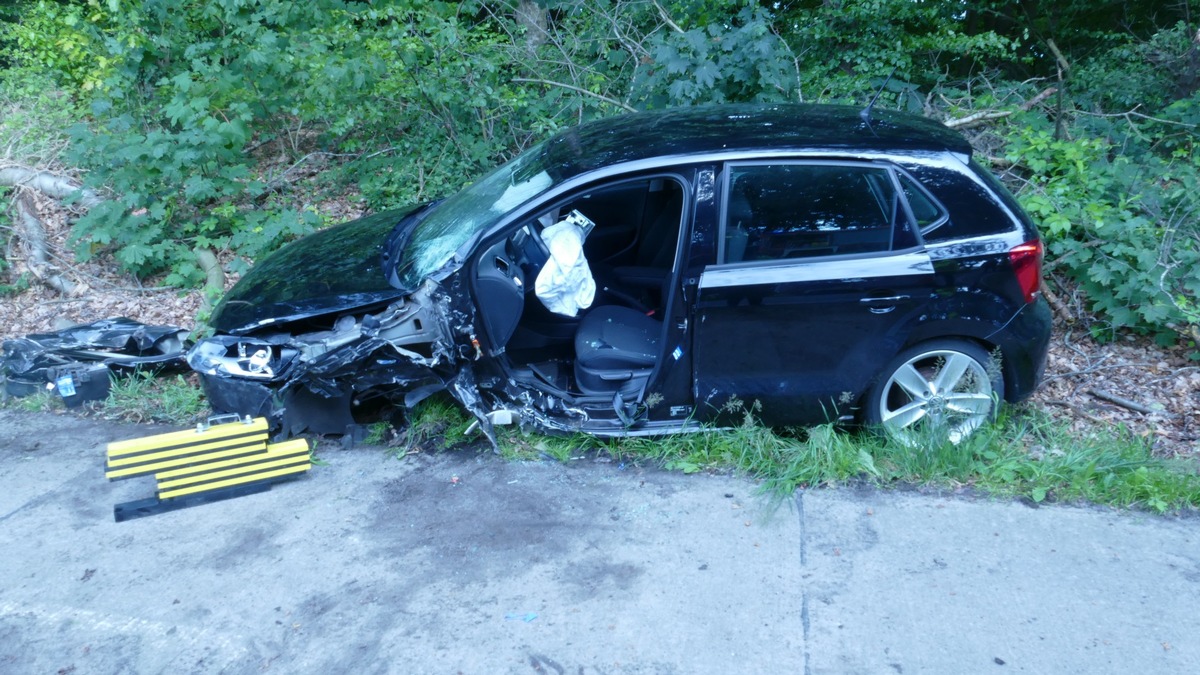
42,401
1024,454
143,397
437,423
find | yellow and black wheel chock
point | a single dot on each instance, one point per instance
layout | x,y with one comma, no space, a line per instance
224,458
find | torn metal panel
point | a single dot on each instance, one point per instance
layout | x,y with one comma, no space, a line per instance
312,380
71,361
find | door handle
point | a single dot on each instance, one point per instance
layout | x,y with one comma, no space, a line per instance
889,300
882,305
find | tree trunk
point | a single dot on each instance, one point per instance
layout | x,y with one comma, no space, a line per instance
533,17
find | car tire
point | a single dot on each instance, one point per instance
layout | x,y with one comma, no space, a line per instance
938,390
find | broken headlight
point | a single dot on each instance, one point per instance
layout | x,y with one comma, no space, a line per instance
240,357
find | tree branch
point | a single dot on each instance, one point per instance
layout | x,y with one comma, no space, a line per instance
1123,402
977,118
47,183
580,90
38,262
667,17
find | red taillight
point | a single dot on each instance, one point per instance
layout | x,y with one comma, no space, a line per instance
1027,264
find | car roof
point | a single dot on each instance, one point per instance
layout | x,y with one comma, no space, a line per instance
735,128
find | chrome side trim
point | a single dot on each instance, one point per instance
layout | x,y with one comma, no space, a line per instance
783,272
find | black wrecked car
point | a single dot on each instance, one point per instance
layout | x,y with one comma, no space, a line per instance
656,272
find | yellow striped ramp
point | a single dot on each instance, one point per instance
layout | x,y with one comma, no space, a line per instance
205,464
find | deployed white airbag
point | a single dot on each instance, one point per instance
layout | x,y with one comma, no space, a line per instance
565,284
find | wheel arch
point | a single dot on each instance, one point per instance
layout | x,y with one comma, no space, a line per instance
968,331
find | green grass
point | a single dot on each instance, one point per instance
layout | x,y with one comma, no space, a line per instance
142,397
138,397
1026,454
437,423
42,401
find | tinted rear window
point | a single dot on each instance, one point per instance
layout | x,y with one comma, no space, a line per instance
973,211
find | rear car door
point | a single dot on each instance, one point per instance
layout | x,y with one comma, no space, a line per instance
819,277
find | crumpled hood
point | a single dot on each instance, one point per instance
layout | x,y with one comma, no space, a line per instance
334,270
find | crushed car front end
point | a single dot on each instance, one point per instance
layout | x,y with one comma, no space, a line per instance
313,380
316,331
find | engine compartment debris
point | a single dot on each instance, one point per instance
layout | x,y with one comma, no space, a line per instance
78,362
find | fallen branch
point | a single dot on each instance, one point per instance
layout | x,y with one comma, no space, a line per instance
1046,93
1058,56
1173,375
33,233
667,18
1123,402
214,283
1075,409
978,118
50,184
1095,369
1059,308
550,83
975,119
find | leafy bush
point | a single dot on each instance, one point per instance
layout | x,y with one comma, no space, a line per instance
203,116
187,91
737,60
1118,197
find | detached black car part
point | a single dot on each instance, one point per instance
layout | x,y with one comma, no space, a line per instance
654,272
77,362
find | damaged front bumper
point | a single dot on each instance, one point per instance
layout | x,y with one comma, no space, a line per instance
314,380
78,362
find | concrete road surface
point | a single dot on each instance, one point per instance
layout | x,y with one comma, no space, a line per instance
465,563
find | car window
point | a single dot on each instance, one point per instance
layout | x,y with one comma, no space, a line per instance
971,209
927,212
793,210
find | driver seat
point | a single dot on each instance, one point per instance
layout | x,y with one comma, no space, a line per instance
616,349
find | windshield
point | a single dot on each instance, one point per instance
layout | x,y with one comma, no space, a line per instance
476,208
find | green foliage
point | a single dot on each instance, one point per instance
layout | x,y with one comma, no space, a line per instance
446,107
60,38
1139,74
845,49
194,86
740,59
34,117
1119,218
